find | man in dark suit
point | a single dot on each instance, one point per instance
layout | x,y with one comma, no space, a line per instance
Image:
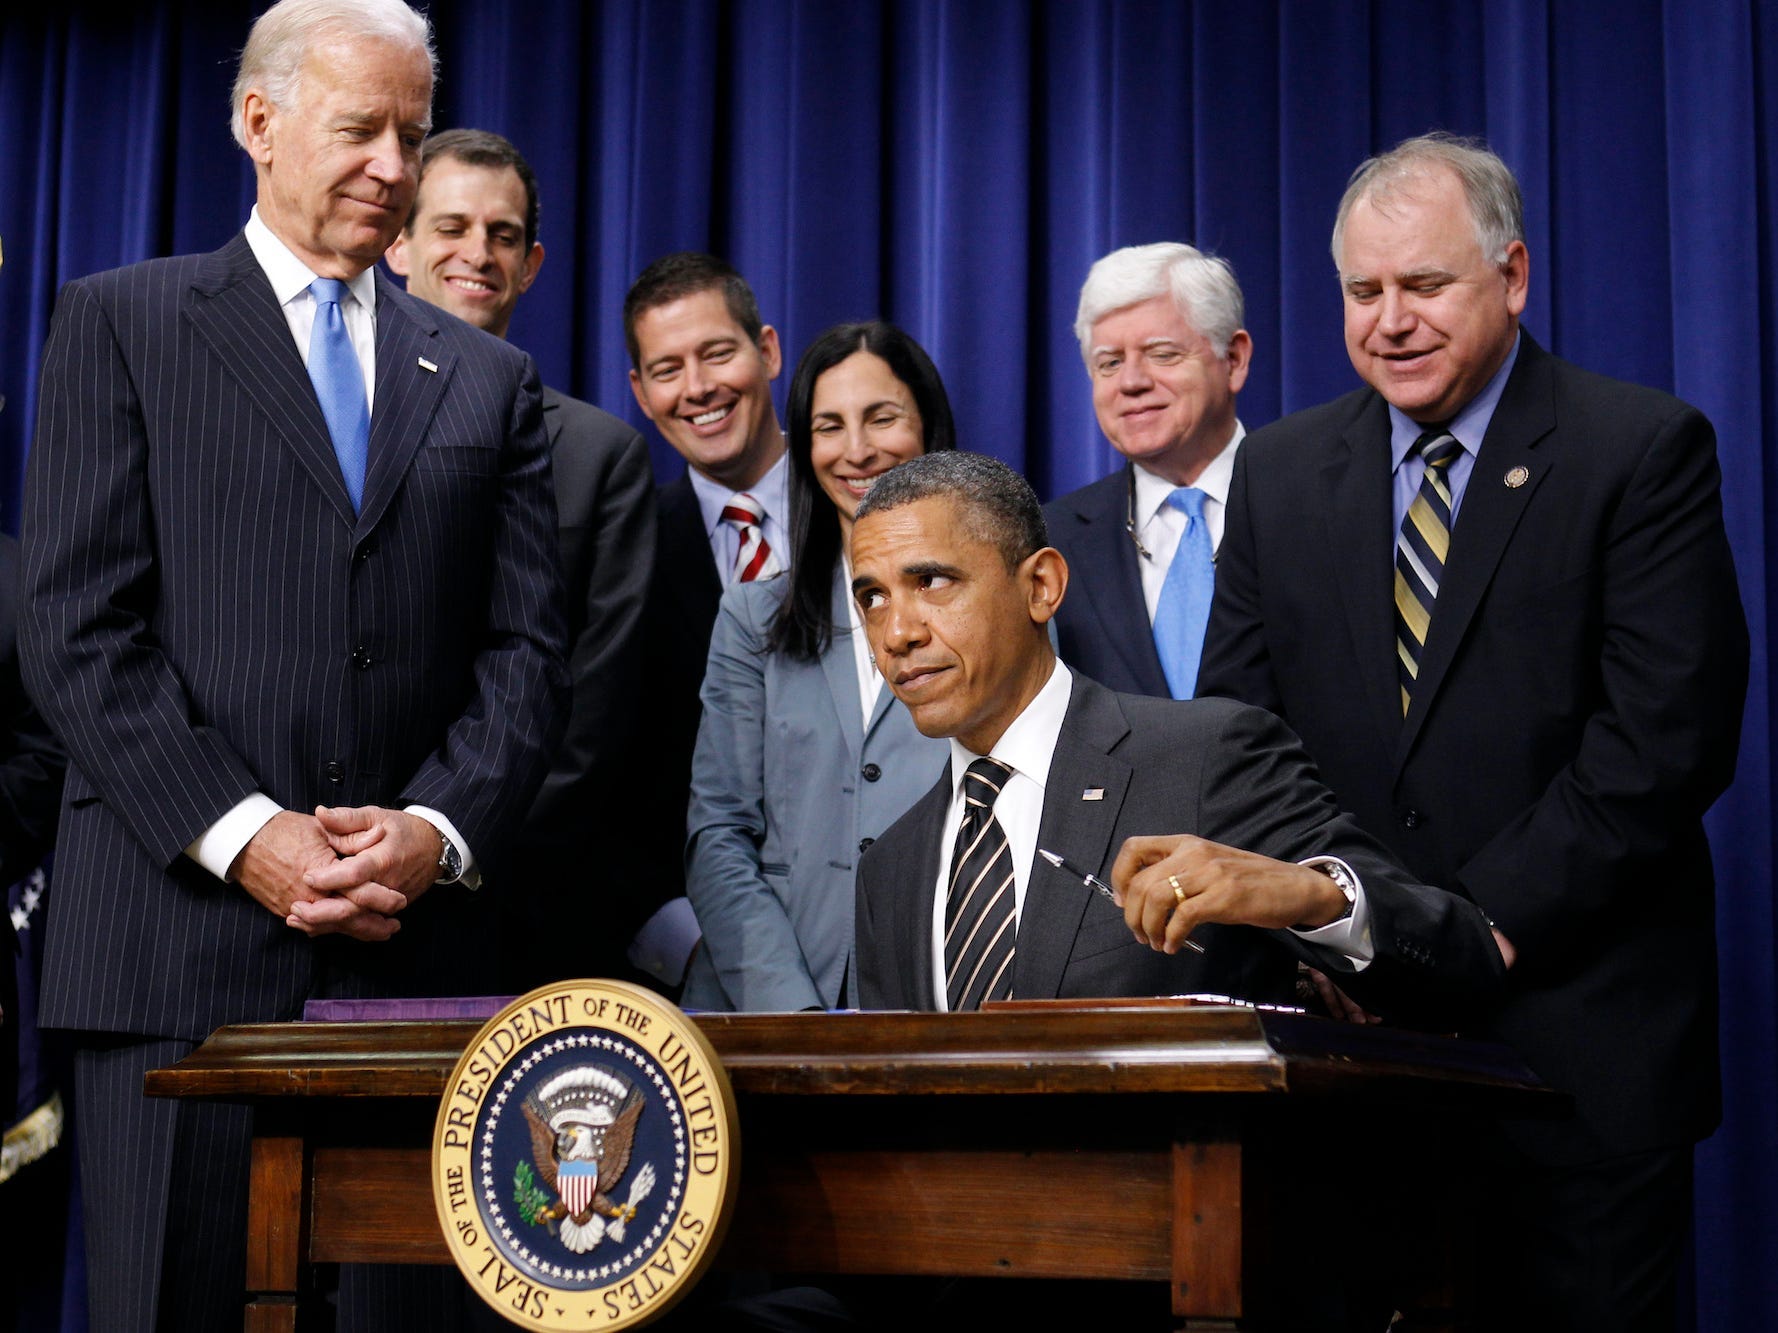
291,605
957,587
471,247
701,365
1537,714
1160,331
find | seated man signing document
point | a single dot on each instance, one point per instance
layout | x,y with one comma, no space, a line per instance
957,586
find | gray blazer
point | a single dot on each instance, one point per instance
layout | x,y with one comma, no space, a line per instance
788,785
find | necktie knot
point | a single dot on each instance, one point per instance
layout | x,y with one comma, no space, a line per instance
1437,447
327,291
754,557
983,781
742,509
1188,500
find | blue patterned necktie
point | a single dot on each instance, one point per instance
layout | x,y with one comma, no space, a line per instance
1184,606
339,383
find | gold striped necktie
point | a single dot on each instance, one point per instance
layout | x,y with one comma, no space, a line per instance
980,923
1421,548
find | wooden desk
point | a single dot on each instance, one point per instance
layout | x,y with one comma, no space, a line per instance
890,1143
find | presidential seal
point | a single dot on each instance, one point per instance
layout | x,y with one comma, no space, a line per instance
585,1157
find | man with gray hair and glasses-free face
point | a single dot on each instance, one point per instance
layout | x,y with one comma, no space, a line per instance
1493,594
1160,331
291,604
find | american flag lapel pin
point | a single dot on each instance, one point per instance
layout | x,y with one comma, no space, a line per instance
428,366
1093,794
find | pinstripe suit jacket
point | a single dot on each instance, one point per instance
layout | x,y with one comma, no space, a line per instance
205,616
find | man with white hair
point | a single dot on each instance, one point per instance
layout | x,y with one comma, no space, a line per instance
1160,332
291,604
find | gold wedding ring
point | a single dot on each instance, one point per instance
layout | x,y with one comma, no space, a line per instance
1178,892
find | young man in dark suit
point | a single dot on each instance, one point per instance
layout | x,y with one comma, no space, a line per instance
1534,709
1160,331
957,586
471,247
291,604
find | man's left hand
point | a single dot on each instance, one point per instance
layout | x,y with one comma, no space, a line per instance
377,846
1171,885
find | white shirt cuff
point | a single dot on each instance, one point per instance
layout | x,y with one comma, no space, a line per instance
1350,935
662,948
471,878
216,848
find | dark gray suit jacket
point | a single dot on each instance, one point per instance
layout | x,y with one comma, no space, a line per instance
1231,774
1578,708
205,616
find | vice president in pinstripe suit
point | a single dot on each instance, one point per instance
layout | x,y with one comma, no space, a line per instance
231,623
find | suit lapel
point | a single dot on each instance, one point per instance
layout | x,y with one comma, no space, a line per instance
1122,607
842,676
1359,540
233,309
407,393
1078,829
1490,512
688,570
910,925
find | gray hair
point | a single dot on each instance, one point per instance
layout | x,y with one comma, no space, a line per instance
999,508
282,37
1203,286
1496,207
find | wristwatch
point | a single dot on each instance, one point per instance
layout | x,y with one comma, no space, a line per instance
1343,880
450,861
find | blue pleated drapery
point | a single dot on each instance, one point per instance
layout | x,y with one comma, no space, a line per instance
956,167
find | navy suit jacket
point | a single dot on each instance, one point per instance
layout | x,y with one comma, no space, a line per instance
1208,767
1577,710
205,616
1102,628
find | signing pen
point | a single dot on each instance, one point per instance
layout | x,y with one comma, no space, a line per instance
1094,882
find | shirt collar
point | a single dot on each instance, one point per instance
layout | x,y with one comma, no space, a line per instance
289,276
1029,743
1152,491
768,490
1469,426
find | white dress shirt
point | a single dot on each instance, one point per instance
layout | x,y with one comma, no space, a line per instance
770,490
1027,746
864,662
1159,526
217,846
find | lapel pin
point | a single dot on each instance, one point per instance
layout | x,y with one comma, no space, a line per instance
1517,477
427,365
1093,794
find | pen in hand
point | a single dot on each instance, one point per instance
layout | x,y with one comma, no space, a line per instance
1094,882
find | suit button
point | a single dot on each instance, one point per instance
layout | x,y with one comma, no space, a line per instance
361,658
363,553
864,845
1412,819
334,771
872,772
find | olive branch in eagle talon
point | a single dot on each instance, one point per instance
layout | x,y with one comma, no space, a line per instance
584,1117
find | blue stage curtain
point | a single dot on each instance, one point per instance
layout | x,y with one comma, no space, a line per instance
955,167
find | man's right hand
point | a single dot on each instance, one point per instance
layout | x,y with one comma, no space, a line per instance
271,868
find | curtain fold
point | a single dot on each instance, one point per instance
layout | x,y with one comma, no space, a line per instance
956,167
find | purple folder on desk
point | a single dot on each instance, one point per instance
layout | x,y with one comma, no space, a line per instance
422,1010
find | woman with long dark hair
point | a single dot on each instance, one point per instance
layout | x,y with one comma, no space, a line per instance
803,755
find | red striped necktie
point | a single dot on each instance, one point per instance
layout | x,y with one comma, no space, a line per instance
756,559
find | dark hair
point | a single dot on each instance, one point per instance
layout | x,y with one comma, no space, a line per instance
999,507
480,148
803,626
676,277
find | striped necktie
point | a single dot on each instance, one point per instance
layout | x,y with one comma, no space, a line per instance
756,559
979,917
339,384
1421,549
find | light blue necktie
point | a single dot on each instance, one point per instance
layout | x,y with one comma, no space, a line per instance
1184,607
339,383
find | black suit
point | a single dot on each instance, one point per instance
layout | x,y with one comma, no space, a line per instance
205,616
1103,628
1577,710
605,513
1233,775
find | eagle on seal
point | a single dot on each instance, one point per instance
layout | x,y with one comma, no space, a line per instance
583,1123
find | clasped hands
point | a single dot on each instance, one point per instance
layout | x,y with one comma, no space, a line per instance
342,870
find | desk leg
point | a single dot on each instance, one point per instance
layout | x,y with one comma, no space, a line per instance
1207,1271
274,1234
